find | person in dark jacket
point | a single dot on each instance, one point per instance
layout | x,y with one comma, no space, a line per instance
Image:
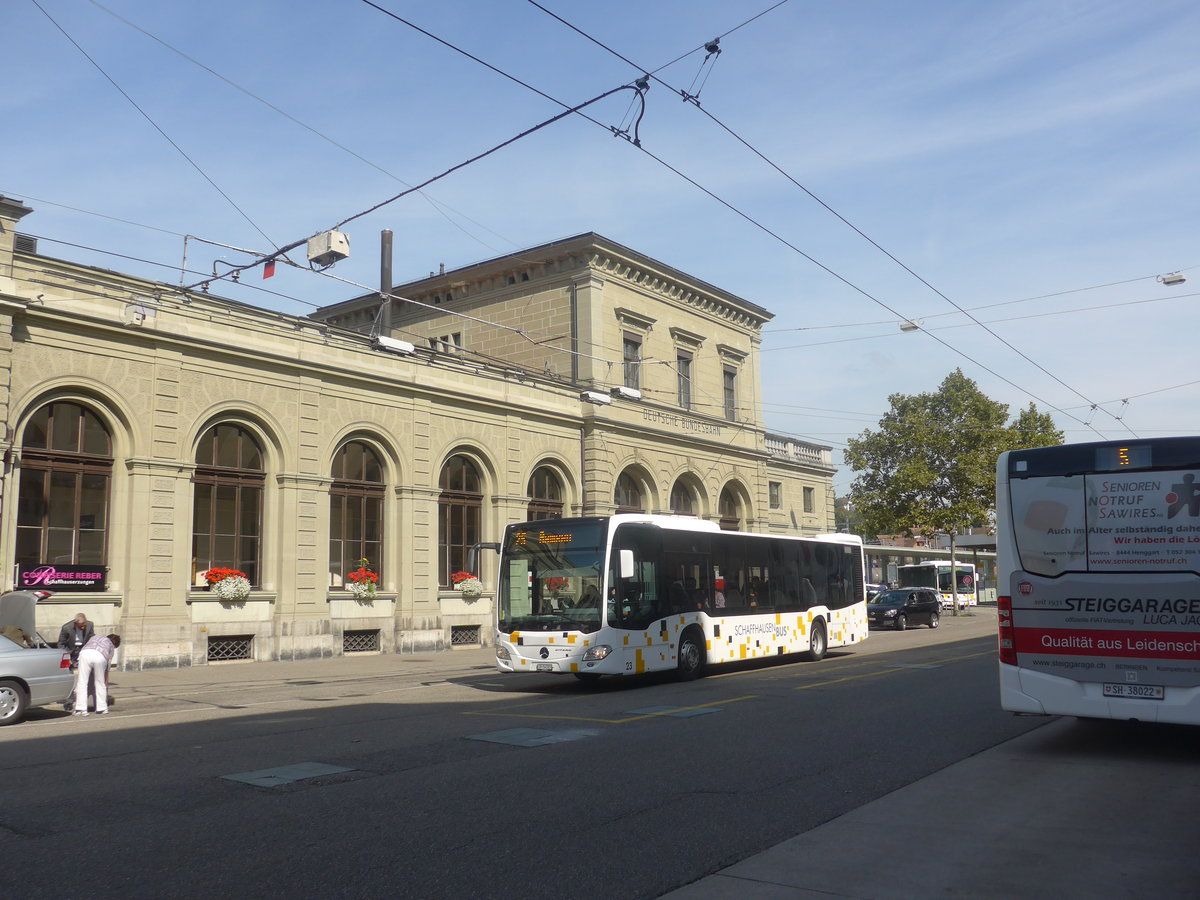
74,635
71,638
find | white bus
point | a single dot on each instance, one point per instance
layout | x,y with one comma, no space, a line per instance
1098,548
630,593
959,587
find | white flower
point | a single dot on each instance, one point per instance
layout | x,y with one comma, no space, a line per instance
233,588
361,589
472,587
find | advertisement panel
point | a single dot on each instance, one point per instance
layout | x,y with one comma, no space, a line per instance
1111,587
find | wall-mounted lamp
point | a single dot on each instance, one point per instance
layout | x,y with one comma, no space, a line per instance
392,345
626,393
911,325
1172,278
597,397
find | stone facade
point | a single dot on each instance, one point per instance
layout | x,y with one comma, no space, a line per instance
504,350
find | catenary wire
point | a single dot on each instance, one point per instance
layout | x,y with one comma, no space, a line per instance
842,218
443,209
566,112
155,125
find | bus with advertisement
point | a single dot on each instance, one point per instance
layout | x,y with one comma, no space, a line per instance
956,582
629,593
1098,549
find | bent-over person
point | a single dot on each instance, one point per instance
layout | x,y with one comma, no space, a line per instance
94,659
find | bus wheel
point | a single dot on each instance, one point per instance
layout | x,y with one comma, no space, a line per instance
935,621
691,655
817,644
901,622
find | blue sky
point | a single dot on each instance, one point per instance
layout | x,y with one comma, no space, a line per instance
1036,163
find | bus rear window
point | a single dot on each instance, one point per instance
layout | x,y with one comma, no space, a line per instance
1110,522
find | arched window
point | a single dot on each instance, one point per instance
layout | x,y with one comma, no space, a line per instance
627,495
683,502
545,494
227,515
66,472
730,511
460,515
355,512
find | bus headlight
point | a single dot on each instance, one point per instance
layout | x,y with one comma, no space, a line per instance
502,652
600,651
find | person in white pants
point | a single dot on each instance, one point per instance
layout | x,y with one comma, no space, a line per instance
94,658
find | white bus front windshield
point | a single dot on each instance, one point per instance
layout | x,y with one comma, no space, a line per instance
550,577
966,581
923,576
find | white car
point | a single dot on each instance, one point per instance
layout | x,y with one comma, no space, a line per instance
38,676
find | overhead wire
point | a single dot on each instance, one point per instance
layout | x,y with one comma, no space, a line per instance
566,112
949,327
851,225
443,209
927,316
575,109
155,125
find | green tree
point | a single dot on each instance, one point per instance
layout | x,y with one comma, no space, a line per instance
846,516
930,469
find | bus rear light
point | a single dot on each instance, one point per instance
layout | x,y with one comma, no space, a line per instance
1004,621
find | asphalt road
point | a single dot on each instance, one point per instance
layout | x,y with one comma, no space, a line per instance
436,777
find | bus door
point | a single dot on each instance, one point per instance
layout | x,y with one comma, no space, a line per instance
640,599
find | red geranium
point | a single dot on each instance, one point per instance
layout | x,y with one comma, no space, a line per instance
219,573
363,575
457,577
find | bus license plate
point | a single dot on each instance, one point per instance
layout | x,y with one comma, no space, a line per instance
1134,691
549,667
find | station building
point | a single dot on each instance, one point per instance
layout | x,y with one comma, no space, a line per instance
149,434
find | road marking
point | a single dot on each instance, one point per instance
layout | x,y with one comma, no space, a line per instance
890,670
633,716
286,774
530,737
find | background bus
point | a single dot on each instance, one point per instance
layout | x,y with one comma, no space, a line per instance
1099,571
628,594
938,574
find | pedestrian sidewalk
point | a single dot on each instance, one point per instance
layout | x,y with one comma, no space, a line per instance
1074,809
130,685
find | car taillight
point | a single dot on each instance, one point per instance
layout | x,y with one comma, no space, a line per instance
1004,623
65,663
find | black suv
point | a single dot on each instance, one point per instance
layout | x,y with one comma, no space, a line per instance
903,607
